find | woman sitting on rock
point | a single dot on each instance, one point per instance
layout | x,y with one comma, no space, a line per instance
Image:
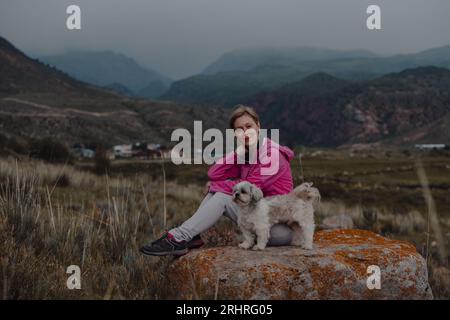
223,175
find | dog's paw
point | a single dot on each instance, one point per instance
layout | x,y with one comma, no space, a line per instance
307,247
298,242
258,247
244,245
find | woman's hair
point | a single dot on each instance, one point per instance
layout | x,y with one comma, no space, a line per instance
239,110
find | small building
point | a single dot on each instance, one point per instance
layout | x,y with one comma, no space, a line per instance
153,146
123,151
141,150
81,152
87,153
430,146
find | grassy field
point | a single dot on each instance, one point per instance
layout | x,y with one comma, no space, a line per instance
53,216
387,179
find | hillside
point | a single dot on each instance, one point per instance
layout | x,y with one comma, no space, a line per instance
107,67
320,109
237,76
20,74
247,58
409,106
40,101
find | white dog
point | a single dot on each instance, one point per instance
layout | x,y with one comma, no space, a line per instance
258,214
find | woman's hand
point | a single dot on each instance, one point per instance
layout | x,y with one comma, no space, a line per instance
240,150
206,188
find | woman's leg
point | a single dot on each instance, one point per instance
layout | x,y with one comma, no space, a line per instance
213,206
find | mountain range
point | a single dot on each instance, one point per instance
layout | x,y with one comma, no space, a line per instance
111,70
238,75
37,100
247,58
411,106
404,107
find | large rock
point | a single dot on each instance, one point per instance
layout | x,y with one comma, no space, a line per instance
335,269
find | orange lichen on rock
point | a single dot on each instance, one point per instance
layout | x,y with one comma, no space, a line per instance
356,236
336,268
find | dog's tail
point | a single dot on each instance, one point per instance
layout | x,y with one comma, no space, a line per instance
307,192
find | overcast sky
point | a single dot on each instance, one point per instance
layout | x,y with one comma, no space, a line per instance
181,37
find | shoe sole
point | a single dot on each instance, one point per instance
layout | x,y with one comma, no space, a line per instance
196,245
165,253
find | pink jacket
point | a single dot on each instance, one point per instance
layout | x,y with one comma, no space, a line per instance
272,173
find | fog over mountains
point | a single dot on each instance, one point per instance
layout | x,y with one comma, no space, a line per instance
113,70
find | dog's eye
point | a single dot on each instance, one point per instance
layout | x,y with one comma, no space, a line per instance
243,191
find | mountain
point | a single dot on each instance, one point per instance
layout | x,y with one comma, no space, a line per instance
440,54
119,88
318,109
37,100
153,89
247,58
107,67
226,88
229,88
20,74
321,110
434,132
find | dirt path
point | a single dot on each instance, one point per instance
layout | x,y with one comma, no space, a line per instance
60,112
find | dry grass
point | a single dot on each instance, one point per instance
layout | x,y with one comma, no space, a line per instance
375,219
41,233
432,215
53,216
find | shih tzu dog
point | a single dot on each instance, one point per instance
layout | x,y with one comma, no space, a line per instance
258,214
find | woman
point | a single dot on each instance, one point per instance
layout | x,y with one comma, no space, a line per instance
223,175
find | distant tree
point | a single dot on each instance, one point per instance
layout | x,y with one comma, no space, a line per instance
49,150
10,145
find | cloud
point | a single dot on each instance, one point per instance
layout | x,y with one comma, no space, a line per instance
180,37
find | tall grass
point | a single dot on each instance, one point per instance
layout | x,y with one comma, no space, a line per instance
41,234
432,215
53,216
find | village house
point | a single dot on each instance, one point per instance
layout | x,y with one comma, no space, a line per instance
122,151
430,146
140,150
82,152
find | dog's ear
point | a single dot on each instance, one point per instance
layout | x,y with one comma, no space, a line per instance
256,193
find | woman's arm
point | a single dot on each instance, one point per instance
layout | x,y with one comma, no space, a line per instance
226,186
225,168
257,176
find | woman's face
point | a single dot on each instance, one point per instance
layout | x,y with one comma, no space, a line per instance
245,125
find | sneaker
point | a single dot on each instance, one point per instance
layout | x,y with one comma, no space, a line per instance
165,245
195,242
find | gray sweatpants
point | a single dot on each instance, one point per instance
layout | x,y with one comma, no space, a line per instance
213,206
